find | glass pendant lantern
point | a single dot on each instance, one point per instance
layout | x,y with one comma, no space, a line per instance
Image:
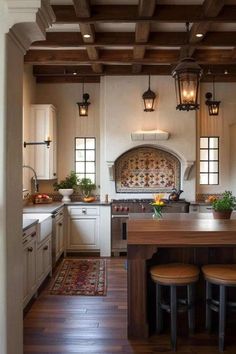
213,105
83,106
187,75
149,98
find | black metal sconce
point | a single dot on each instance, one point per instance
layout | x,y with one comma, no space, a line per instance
45,142
149,98
83,106
213,105
187,76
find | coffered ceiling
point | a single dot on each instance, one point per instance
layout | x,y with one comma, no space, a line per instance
135,37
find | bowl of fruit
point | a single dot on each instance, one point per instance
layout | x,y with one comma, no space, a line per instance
41,198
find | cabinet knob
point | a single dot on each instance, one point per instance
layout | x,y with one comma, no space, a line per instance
54,174
30,249
60,224
33,234
45,248
84,211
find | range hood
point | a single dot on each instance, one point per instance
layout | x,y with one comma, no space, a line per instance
148,135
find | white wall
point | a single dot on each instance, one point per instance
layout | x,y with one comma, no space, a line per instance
69,123
29,93
220,126
122,113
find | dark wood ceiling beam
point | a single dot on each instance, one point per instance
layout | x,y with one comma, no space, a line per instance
87,29
67,79
60,74
146,8
211,8
82,8
129,14
127,39
166,56
142,30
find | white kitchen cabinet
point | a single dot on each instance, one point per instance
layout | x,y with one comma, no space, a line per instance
29,264
57,235
198,208
44,260
83,228
42,126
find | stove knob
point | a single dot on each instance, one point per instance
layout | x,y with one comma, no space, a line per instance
121,208
127,208
115,208
143,208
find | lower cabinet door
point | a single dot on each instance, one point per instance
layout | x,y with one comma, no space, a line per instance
44,262
83,233
59,238
29,270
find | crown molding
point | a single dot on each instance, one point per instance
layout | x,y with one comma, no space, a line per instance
28,21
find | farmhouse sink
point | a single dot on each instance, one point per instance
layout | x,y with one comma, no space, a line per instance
44,224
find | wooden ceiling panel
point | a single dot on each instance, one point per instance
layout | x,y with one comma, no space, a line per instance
135,39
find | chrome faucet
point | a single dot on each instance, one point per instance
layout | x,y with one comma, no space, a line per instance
36,186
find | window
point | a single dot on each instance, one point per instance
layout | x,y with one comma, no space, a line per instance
85,152
209,160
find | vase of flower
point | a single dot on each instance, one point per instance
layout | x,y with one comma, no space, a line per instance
158,205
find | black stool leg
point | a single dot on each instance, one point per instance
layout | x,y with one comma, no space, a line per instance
222,317
159,319
191,310
173,315
208,310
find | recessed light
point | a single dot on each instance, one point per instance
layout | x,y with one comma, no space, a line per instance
199,35
86,35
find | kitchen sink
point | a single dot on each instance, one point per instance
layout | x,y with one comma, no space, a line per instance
44,224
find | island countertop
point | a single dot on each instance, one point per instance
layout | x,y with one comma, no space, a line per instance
181,230
183,238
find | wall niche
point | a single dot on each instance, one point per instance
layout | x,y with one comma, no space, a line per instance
147,169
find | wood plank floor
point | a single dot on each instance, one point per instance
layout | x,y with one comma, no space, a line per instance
79,324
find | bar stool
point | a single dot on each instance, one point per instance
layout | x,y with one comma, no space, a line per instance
174,275
223,275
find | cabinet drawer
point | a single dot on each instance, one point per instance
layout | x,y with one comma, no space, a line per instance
83,211
205,208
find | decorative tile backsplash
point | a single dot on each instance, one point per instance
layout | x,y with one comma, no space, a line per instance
147,170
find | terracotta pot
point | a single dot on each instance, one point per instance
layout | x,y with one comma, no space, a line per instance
222,214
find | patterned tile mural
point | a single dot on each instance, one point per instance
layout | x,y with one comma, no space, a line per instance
147,170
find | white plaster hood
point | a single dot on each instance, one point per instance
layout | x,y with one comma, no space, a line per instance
148,135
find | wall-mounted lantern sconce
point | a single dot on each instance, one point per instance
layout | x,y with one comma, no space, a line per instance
149,98
83,106
187,76
213,105
45,142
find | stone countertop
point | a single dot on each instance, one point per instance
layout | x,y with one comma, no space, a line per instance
27,223
53,207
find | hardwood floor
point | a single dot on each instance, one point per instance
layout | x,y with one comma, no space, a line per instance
79,324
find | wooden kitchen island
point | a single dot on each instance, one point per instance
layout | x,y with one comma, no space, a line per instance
188,238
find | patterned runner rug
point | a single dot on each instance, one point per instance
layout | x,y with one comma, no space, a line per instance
81,277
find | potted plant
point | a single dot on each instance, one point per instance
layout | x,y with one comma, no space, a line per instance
67,186
86,186
223,206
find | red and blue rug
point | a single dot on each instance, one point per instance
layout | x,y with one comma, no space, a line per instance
86,277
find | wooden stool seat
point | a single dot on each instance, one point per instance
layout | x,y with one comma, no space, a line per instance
220,273
174,273
222,276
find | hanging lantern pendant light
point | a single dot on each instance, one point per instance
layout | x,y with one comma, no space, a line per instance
83,106
187,76
213,105
149,98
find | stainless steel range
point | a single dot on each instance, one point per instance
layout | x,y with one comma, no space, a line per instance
120,214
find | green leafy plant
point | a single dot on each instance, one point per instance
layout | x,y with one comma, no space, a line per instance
70,182
226,202
86,186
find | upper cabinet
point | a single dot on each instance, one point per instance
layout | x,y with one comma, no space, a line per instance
43,126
